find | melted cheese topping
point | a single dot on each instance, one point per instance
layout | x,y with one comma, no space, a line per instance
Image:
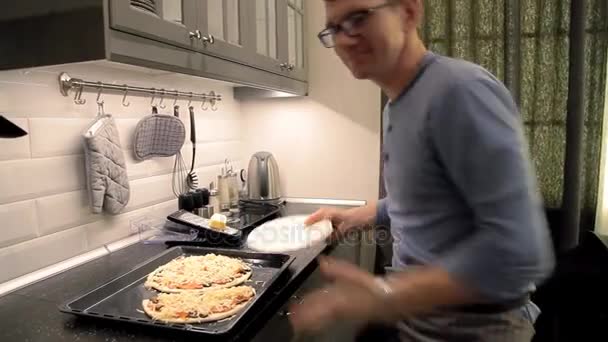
171,306
198,272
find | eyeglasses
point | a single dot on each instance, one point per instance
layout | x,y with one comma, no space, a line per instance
351,25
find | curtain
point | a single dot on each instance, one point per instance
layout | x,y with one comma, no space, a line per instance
533,63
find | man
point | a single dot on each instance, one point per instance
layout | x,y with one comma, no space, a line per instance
471,240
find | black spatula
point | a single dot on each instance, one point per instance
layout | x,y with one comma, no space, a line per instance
9,129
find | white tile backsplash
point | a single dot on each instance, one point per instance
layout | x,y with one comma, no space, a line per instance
111,228
63,211
17,222
57,136
150,191
126,127
34,254
44,207
31,178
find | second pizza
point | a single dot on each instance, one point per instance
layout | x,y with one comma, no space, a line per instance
199,274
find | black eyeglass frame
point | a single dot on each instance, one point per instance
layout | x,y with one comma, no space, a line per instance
348,24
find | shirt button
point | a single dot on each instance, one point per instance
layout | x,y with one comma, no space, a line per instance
386,157
389,128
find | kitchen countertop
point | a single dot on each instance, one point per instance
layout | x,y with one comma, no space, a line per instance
31,313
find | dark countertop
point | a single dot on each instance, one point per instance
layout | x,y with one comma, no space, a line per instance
31,314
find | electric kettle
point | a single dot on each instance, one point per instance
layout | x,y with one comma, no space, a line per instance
263,178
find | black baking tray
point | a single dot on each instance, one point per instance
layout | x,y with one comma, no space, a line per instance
121,298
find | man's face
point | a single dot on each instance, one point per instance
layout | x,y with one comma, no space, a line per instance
380,36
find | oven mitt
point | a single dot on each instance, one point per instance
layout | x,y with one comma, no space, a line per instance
106,169
158,135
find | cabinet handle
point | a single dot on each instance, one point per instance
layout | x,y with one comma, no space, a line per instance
196,34
208,39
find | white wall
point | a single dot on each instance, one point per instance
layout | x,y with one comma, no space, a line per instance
327,145
44,210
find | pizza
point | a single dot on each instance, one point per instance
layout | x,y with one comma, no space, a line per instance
197,307
199,273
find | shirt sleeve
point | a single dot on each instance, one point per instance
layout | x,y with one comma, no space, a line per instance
478,138
382,218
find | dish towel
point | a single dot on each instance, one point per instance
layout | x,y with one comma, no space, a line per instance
106,169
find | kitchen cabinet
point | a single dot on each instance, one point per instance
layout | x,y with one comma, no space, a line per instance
277,37
245,42
295,38
169,21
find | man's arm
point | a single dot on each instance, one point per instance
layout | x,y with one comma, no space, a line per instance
382,218
478,138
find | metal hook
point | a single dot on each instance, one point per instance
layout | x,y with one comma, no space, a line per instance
77,95
213,101
124,98
153,96
190,101
176,98
99,101
162,98
203,104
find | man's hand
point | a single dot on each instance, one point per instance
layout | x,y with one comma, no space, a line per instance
351,297
345,221
354,295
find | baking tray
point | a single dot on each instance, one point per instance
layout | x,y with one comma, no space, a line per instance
121,298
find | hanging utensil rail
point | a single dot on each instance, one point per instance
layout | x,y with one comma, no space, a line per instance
66,83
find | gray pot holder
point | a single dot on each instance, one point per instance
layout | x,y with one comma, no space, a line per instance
158,135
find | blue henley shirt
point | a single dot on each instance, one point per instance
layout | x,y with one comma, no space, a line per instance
461,192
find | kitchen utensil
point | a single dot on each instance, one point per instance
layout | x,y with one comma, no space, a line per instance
243,190
206,212
192,176
288,234
214,200
198,197
263,178
201,200
249,217
205,227
223,189
9,129
180,169
120,300
186,202
233,186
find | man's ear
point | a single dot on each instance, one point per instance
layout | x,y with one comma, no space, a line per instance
412,11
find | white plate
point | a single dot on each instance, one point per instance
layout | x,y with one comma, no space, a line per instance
288,234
